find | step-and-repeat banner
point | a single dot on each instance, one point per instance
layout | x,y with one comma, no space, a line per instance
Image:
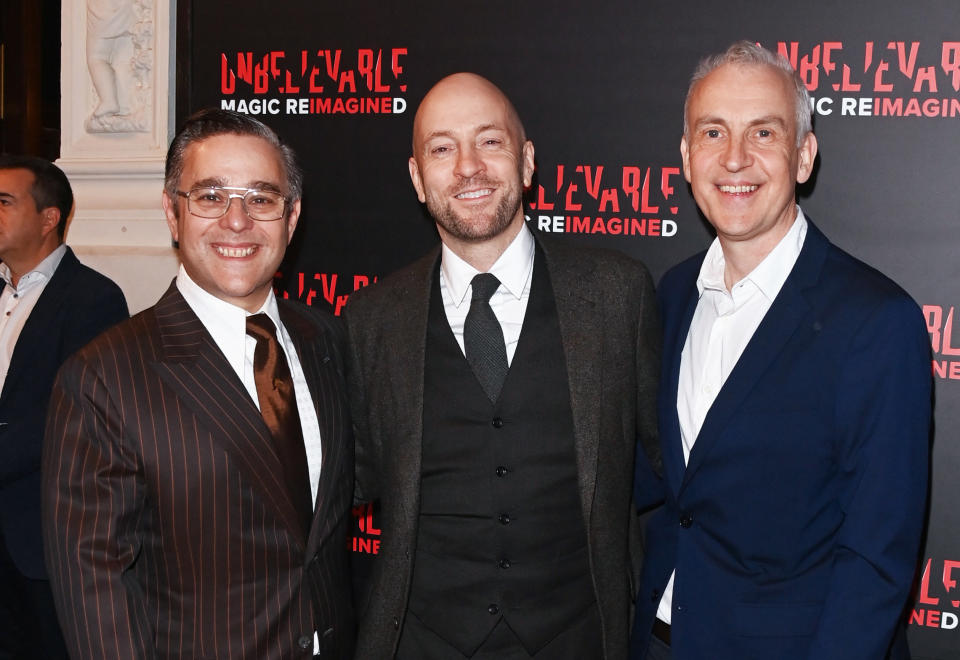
600,88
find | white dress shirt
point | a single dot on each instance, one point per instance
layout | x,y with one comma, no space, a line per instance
17,302
514,269
721,328
227,324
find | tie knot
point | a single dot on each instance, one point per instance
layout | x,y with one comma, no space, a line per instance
484,284
259,326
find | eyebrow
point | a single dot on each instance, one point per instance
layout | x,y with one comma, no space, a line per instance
219,182
449,133
766,119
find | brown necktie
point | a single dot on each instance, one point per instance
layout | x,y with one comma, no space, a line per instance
278,405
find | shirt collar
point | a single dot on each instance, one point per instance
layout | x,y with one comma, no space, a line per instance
225,322
769,275
512,268
42,272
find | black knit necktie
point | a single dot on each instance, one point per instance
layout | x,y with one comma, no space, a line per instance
278,406
483,337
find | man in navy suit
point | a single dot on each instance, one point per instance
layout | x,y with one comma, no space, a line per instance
50,306
794,406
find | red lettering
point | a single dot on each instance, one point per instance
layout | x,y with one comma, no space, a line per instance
541,203
926,74
631,185
950,61
593,184
934,316
228,81
906,63
329,285
924,595
948,581
946,347
610,198
878,84
333,66
569,204
645,207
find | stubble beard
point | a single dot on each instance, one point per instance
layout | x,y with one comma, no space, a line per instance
481,225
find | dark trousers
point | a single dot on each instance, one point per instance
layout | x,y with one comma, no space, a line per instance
29,629
581,641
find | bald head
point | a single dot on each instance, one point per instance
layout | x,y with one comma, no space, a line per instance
471,161
463,90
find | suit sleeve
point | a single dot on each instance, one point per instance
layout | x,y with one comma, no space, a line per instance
105,308
92,510
883,417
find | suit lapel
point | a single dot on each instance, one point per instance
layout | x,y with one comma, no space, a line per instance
409,323
674,340
36,331
581,332
779,324
314,350
195,368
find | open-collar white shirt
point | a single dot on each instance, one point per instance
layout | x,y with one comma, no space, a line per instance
722,326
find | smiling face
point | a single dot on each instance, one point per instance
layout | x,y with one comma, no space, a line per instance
741,155
233,257
470,161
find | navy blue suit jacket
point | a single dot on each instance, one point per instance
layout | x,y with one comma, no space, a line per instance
76,305
795,526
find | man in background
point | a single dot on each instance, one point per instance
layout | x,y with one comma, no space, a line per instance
500,385
794,405
198,466
50,306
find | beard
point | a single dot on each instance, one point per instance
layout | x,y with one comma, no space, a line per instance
482,224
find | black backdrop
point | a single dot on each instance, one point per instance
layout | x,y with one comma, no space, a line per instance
600,88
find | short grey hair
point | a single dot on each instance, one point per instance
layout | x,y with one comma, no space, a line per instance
747,53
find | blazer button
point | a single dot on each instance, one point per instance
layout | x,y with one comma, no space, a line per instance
505,519
502,471
655,596
497,423
504,563
396,623
305,642
686,520
493,609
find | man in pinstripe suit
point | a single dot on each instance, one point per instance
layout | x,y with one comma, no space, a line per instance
173,525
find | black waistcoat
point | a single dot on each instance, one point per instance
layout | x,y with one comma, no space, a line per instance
501,532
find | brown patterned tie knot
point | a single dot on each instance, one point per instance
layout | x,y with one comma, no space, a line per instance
278,406
483,342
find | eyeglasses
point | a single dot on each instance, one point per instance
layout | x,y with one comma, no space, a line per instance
214,202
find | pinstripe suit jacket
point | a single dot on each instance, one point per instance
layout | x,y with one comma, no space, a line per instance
168,531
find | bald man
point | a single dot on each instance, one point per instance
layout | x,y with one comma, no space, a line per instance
500,385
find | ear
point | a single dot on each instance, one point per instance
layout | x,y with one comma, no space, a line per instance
685,155
807,155
49,219
292,216
416,178
170,211
528,164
